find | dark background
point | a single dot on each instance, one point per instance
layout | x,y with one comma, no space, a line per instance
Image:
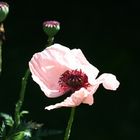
109,35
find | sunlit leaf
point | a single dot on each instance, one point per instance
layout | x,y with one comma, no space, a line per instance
22,135
23,113
7,119
2,130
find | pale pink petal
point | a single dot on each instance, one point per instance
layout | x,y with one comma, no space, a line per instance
90,70
46,68
93,88
89,99
78,97
82,96
109,81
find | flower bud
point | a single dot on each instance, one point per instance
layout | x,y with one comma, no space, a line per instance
4,10
51,28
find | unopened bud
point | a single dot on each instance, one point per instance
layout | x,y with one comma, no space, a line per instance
4,10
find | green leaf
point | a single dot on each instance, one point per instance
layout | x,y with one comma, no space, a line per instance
23,112
22,135
7,119
2,130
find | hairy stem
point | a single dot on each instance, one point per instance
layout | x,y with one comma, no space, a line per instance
21,97
0,56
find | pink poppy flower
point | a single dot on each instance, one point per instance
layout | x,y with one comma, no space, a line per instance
59,70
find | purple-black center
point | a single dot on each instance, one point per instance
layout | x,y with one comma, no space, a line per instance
72,80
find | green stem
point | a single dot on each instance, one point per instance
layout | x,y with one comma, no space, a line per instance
21,97
0,56
23,88
2,38
50,41
70,122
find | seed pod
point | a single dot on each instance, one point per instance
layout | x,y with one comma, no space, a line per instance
51,28
4,10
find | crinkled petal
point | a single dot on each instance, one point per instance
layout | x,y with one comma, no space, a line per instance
89,99
78,97
109,81
90,70
46,68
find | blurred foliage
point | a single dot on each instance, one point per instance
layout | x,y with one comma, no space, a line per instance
24,131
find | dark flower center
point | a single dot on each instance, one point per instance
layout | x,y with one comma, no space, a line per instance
72,80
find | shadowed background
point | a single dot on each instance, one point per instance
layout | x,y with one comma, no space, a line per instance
108,34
